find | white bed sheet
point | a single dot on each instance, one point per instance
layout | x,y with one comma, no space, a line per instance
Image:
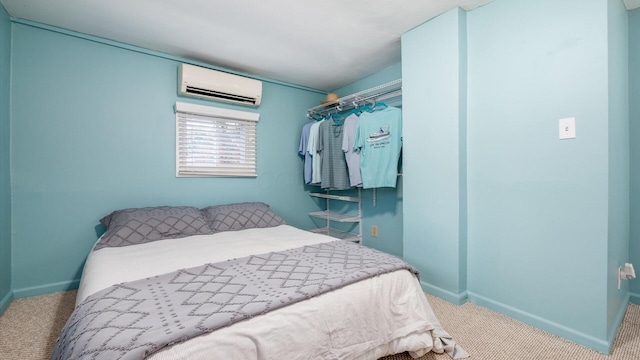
379,316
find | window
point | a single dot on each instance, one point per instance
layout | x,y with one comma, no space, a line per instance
213,141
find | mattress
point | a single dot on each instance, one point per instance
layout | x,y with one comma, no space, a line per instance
379,316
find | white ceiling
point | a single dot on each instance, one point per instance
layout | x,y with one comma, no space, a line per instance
631,4
318,44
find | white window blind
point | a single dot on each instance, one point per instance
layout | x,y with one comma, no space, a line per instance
214,141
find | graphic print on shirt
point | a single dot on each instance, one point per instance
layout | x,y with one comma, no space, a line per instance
384,133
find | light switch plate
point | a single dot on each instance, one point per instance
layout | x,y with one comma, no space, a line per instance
567,128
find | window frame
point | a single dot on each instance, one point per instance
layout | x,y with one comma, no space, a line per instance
216,115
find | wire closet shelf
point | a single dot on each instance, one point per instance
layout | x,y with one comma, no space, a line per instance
389,90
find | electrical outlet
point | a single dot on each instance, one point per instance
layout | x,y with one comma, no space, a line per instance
374,231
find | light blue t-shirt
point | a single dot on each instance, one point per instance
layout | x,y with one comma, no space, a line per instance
316,157
302,151
379,140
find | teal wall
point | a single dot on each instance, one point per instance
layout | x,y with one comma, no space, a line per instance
434,90
538,214
618,252
541,224
387,212
93,130
5,178
634,148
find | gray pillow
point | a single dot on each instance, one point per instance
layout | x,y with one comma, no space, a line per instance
241,216
142,225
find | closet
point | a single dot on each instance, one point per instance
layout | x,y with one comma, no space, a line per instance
334,114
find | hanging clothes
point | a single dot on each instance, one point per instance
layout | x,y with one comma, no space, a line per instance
316,157
334,166
351,156
302,151
379,140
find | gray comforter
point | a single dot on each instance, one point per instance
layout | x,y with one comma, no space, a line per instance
133,320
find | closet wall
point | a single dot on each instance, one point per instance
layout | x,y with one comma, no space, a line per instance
434,90
5,178
387,214
634,147
541,224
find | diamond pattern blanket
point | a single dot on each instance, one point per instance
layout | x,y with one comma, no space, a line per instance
135,319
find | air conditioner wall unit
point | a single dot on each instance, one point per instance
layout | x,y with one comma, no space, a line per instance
210,84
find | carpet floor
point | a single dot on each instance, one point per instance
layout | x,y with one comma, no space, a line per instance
30,326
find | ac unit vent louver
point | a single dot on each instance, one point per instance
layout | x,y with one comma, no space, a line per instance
219,95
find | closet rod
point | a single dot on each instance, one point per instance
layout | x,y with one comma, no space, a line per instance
377,93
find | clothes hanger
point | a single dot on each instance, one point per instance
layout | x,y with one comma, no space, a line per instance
360,108
379,104
315,117
338,119
356,110
366,108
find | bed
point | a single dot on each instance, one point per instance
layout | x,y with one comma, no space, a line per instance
366,319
